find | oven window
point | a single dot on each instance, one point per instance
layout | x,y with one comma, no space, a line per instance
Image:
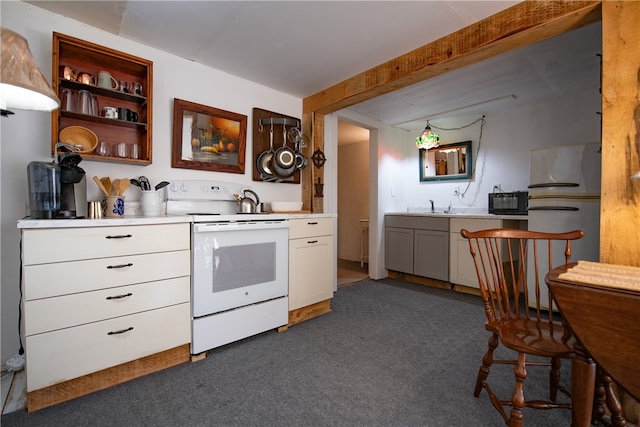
243,265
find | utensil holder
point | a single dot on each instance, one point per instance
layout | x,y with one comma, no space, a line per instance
151,203
114,206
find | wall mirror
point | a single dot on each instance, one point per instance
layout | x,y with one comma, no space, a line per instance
446,162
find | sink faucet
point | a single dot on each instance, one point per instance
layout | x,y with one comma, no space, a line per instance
433,209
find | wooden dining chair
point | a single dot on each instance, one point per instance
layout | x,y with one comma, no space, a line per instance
520,312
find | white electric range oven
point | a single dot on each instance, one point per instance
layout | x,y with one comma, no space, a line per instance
239,264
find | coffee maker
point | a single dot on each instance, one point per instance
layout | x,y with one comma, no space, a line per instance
58,189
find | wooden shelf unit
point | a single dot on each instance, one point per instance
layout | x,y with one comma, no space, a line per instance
87,57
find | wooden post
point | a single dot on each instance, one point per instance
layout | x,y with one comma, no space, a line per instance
620,212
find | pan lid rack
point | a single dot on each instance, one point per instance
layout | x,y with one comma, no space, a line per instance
278,121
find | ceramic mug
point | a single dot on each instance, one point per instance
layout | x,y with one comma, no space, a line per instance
123,86
127,114
136,88
107,81
110,112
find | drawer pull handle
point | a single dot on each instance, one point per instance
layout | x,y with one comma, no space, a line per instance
120,236
120,265
313,223
121,331
312,241
120,296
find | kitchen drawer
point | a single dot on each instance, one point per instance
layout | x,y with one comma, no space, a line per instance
417,222
70,353
44,315
50,280
56,245
474,224
301,228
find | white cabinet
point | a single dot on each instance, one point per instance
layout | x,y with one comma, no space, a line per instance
311,261
98,297
462,271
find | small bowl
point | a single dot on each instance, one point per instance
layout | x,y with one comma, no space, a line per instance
286,206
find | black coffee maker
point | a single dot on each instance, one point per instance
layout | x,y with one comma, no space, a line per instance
58,189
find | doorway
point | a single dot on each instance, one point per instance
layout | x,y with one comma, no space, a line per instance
353,202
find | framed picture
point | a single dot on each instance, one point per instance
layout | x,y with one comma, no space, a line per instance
208,138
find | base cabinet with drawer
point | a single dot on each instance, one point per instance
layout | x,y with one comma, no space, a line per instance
102,300
462,270
311,266
417,245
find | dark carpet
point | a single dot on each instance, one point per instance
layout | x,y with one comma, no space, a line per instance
390,353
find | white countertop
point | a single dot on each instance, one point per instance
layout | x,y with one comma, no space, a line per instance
164,219
454,214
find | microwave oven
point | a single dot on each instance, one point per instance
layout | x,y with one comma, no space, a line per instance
511,203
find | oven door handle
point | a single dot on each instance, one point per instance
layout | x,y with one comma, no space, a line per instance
210,227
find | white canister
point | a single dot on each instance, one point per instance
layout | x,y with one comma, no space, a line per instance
151,203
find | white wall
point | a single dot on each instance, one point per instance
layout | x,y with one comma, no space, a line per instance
26,136
508,137
353,197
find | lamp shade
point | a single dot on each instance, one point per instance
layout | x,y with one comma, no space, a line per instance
22,84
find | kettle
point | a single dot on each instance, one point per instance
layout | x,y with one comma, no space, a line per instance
247,205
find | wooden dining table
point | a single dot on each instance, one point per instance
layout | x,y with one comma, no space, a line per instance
601,304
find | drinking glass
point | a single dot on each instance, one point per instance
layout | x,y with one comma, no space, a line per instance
103,149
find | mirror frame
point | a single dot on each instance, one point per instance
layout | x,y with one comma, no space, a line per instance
423,162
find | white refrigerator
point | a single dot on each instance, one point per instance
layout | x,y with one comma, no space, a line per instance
564,195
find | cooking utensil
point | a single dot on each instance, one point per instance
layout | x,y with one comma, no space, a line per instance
106,182
144,183
265,158
301,160
283,162
101,186
115,187
135,182
161,184
246,205
124,185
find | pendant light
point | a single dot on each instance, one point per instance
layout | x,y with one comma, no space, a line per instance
22,84
427,139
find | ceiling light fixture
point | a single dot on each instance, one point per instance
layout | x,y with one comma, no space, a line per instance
22,84
427,139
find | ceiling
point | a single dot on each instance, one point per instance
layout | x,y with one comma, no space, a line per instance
303,47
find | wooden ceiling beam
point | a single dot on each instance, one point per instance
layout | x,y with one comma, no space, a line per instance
523,24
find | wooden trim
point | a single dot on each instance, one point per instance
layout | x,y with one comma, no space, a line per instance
419,280
523,24
317,203
306,176
57,393
309,312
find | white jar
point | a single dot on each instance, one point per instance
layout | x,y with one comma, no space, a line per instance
151,203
